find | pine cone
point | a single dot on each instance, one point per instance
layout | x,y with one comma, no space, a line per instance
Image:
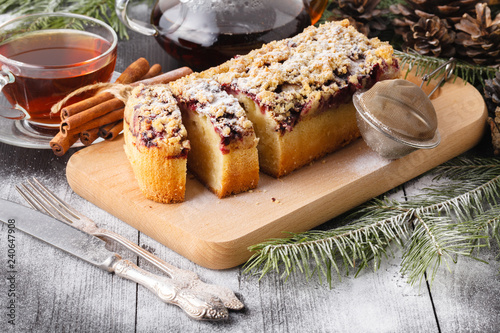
494,123
451,11
492,92
430,36
410,13
479,39
362,14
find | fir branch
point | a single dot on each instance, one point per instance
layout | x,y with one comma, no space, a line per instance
425,64
472,186
348,246
480,169
432,229
489,224
103,10
435,240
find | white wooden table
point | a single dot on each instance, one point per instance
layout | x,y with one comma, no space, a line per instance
55,292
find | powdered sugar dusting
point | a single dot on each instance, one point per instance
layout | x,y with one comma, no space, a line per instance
314,64
154,116
209,99
366,163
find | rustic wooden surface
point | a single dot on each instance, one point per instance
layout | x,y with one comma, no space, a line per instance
302,200
56,292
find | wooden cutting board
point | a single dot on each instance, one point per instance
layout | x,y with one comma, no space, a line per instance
215,233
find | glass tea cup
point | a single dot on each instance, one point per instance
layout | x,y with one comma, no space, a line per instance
44,57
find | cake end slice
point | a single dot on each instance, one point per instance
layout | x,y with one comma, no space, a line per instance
156,143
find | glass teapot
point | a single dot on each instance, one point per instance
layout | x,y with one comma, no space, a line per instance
205,33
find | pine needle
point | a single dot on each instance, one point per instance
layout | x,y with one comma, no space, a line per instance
460,213
425,64
103,10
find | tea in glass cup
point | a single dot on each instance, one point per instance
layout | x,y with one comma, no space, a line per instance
44,57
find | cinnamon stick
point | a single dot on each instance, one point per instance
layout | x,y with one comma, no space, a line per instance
132,73
60,143
85,104
111,131
109,117
165,77
84,116
94,112
153,71
89,136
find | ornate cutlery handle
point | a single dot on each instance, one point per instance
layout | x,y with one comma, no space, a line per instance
197,305
159,263
184,278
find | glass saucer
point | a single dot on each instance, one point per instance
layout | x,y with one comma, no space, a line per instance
20,133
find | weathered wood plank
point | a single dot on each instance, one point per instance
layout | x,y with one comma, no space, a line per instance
56,292
465,295
373,302
467,299
379,301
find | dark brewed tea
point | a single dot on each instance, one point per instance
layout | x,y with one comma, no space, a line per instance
201,35
58,58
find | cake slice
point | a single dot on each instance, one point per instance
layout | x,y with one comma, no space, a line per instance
298,91
223,153
156,143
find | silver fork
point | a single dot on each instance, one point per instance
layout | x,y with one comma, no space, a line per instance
42,199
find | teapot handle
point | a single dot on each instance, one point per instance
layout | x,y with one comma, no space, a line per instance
135,25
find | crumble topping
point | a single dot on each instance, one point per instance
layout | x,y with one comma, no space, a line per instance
207,97
290,76
156,118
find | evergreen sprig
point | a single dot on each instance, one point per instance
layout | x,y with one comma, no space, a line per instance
425,64
103,10
450,219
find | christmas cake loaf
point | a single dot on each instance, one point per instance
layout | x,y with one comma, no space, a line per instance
156,143
223,153
297,92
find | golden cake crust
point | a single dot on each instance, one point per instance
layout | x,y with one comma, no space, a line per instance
156,143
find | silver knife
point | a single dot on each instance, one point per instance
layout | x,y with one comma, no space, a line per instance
92,250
